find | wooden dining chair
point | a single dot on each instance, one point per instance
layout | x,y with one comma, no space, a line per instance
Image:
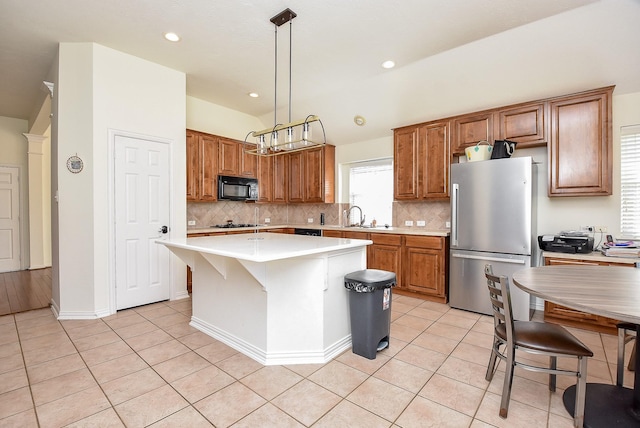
533,337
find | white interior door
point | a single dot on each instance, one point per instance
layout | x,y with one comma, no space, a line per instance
141,211
9,220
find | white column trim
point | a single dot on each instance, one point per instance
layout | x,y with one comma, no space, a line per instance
36,248
35,143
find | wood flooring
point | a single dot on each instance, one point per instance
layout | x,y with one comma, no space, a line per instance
24,290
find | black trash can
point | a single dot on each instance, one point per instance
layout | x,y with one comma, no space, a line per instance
369,310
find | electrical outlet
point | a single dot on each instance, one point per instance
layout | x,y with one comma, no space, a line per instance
191,223
408,223
447,224
601,229
421,223
267,220
310,220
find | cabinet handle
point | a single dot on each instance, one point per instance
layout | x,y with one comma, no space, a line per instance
490,259
455,187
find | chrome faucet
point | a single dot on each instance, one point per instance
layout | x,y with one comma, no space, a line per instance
362,217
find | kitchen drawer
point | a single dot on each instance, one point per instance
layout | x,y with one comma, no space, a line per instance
433,242
197,235
355,235
386,239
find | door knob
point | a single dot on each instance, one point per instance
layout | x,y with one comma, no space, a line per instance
163,229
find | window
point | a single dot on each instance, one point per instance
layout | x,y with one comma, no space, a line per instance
630,182
371,188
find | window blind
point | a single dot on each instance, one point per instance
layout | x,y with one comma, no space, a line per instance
630,182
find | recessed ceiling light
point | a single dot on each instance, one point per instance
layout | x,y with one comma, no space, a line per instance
253,95
388,64
359,120
172,37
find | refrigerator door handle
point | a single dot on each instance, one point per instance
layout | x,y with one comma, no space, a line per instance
489,259
455,188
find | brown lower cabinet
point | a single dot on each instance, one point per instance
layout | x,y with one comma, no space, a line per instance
426,270
562,315
386,254
419,262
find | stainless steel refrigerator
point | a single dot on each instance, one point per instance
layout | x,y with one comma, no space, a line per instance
493,218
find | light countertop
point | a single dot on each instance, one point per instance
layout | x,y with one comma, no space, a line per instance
264,247
381,229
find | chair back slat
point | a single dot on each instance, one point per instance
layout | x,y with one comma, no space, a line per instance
500,297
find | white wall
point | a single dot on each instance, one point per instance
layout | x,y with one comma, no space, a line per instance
98,90
13,152
74,93
213,119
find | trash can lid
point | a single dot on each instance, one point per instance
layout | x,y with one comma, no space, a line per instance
373,277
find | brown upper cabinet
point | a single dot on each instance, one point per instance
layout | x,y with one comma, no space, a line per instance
209,156
193,166
265,178
273,184
405,163
312,175
202,166
576,128
280,181
470,129
581,150
304,176
433,168
421,161
232,159
296,177
523,123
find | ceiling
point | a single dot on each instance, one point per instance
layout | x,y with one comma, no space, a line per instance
450,55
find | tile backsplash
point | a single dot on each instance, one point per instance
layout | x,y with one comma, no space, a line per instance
205,214
434,214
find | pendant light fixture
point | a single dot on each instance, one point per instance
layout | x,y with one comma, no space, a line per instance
297,135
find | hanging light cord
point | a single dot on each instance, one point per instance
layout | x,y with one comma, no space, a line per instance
275,82
275,97
290,67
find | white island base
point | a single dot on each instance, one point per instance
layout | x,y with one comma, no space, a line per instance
279,299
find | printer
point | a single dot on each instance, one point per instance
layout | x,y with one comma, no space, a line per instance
572,243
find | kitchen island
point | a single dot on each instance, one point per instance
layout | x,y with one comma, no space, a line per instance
279,299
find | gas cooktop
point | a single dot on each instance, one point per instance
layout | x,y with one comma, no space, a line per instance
233,225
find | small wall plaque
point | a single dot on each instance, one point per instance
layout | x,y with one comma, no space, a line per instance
75,164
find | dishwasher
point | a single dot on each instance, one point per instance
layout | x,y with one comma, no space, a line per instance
308,232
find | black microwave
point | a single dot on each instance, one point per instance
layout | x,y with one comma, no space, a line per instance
237,188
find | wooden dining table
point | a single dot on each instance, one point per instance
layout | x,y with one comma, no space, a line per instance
610,291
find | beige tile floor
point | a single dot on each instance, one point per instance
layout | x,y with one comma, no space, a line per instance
147,367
